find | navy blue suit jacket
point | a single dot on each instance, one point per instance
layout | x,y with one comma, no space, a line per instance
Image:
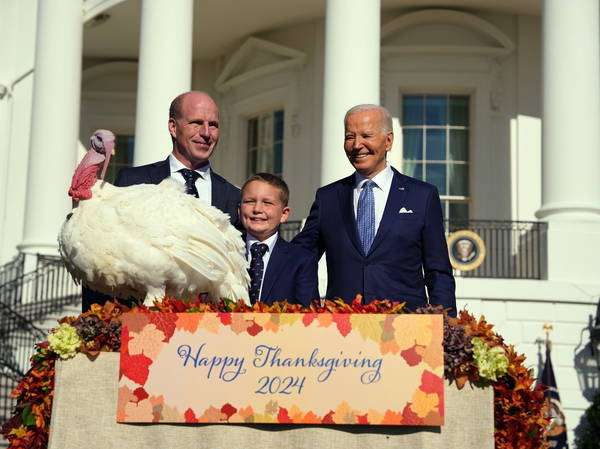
225,196
408,254
291,274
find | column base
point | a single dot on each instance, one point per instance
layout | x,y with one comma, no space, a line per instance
573,250
569,211
30,247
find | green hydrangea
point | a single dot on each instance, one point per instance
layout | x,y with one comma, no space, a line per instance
65,341
491,362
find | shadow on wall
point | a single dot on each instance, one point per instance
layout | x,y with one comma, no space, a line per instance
588,371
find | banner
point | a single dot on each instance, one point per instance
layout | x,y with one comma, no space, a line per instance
282,368
557,429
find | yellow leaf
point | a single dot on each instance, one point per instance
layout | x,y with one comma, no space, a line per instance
423,403
260,418
368,327
211,323
374,416
19,432
259,318
295,413
287,319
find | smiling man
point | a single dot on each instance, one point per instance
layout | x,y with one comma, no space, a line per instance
382,231
194,128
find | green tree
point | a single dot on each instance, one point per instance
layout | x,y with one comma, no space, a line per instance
590,435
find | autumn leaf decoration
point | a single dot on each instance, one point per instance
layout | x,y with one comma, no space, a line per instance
518,403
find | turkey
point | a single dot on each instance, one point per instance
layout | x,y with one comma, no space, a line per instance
147,241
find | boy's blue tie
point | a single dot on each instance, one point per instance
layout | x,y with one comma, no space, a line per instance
257,267
365,215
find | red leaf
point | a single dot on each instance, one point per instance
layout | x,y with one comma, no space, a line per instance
362,419
328,418
308,318
342,320
135,367
190,416
179,306
411,356
165,322
254,329
430,383
140,394
229,410
125,339
410,418
225,318
283,416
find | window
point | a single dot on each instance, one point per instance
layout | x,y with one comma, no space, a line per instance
123,156
265,143
435,131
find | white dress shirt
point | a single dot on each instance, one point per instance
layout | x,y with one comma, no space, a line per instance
381,191
203,183
270,242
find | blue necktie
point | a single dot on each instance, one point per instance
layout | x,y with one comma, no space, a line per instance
190,177
365,215
257,267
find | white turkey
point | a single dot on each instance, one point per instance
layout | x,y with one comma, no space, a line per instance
147,241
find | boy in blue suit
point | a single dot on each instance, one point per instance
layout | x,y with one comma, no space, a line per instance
278,270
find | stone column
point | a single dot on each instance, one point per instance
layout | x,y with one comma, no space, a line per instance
165,71
352,55
571,138
571,110
54,122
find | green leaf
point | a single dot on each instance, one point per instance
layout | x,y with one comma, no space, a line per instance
28,417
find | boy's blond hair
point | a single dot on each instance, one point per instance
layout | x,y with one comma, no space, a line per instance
275,181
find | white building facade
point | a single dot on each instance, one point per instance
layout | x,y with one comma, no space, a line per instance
497,103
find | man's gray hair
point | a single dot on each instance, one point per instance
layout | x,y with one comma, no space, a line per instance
386,117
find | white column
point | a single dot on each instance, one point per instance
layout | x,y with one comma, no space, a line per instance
571,139
165,71
54,122
571,111
352,47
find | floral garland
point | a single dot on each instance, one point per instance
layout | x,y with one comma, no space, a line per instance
472,352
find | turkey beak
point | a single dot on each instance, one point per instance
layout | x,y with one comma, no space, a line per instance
109,151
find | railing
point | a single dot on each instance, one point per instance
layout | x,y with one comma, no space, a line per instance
43,290
25,299
18,336
514,249
12,270
289,229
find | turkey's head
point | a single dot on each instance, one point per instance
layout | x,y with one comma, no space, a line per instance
84,178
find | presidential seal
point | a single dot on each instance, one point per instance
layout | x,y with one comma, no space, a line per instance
466,250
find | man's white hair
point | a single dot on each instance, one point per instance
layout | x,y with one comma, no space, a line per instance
386,117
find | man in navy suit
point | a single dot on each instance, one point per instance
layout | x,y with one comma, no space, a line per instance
194,128
278,270
382,231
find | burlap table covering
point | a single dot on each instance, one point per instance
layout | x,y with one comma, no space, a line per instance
84,410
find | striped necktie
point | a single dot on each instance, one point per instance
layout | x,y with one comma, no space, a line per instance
365,215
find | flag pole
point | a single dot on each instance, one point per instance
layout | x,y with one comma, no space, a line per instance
547,329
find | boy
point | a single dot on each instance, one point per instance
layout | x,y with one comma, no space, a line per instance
278,270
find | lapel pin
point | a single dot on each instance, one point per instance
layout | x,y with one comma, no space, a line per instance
400,188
